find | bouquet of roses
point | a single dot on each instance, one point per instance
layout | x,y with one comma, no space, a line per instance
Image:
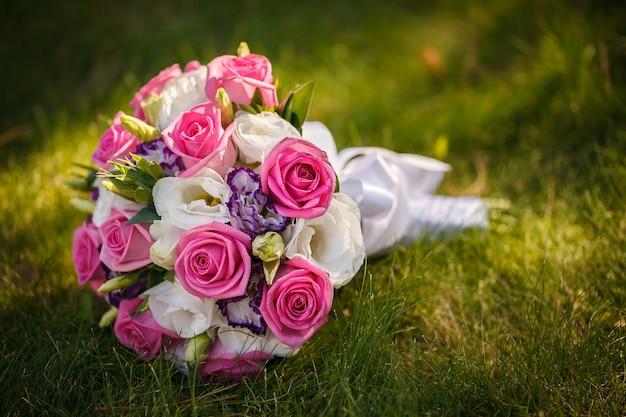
216,231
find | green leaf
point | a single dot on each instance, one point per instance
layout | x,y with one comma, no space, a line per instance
155,171
147,214
169,276
249,109
156,275
296,107
257,100
83,181
142,195
143,306
285,108
78,183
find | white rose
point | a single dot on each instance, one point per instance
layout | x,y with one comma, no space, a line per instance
256,134
180,94
107,200
183,313
163,250
190,202
333,241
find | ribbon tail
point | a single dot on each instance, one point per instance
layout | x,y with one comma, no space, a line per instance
442,216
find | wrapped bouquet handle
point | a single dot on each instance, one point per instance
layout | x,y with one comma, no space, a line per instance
395,193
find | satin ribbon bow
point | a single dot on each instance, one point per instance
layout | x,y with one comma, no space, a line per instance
395,193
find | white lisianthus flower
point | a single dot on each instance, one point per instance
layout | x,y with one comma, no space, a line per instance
163,250
332,241
190,202
242,340
180,94
107,200
256,134
239,341
180,312
318,134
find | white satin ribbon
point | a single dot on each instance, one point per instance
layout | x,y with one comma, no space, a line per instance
395,193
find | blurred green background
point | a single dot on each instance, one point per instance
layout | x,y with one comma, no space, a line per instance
399,66
525,99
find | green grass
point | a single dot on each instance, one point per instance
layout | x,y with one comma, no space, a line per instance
525,319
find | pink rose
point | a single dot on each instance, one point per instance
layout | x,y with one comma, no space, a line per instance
214,261
297,304
192,66
240,77
124,247
298,178
115,143
140,331
222,364
155,85
198,138
85,254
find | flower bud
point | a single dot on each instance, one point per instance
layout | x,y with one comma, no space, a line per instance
142,130
151,106
269,270
118,283
269,247
225,105
243,49
108,318
87,206
198,348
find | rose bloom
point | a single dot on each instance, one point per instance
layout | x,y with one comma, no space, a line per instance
192,65
297,304
140,331
124,247
85,245
240,77
115,143
256,134
298,179
198,138
214,261
154,86
184,314
333,241
180,94
190,202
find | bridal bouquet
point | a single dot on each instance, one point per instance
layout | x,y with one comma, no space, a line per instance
221,222
216,229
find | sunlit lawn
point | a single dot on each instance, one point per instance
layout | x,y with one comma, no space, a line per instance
525,101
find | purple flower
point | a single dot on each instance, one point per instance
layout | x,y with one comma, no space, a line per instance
250,209
244,311
156,151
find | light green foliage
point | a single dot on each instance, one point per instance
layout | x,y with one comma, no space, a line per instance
133,178
524,99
